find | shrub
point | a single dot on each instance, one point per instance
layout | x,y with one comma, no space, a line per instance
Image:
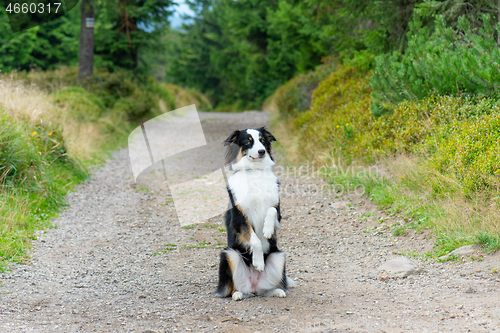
337,115
132,98
470,151
52,127
447,62
84,105
295,96
440,154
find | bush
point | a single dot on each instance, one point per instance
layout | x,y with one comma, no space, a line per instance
337,115
447,62
441,154
132,98
84,105
52,127
470,151
295,96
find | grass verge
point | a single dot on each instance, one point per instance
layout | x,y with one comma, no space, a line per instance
439,157
53,127
401,187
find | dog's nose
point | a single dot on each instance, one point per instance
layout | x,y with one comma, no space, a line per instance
261,152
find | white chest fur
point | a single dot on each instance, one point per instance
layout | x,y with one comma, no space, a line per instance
255,191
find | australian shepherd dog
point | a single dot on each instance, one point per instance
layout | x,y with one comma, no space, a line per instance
252,263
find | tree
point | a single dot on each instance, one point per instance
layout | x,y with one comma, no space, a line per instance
86,58
45,46
125,28
447,61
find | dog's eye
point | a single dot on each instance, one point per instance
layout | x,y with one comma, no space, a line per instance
248,142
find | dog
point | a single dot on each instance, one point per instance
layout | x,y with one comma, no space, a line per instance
252,263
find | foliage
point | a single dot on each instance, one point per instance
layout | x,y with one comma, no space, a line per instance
51,131
295,96
135,98
45,46
451,10
35,170
470,151
239,52
123,29
448,61
85,106
439,156
336,116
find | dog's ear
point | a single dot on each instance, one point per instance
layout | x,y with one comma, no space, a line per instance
233,149
267,134
232,138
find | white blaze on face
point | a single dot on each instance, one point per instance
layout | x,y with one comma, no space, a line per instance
257,145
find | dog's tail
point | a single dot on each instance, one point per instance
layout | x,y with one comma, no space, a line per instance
291,283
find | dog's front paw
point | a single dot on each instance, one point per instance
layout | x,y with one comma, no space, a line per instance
258,263
237,296
268,230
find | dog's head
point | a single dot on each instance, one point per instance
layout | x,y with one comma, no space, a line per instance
250,149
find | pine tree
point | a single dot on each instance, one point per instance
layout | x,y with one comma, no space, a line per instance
450,61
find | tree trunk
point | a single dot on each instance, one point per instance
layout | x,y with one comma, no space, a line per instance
86,58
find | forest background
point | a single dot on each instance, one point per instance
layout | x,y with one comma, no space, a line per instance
408,85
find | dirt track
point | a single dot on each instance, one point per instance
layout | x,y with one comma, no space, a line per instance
106,267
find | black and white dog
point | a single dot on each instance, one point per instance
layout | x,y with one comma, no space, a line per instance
252,262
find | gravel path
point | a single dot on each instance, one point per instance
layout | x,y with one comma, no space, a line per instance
119,261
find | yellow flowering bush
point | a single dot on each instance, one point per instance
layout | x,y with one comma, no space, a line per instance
458,134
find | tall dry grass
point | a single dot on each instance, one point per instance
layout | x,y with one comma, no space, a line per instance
27,102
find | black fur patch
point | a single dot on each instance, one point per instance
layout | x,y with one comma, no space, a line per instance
243,141
225,286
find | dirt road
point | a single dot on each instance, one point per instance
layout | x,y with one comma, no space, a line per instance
119,261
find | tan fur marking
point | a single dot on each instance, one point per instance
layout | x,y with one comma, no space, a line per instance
231,265
230,285
239,157
245,236
241,154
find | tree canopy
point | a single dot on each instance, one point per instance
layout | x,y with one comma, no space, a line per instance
236,52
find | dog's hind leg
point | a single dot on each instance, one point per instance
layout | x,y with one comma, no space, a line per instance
273,279
241,283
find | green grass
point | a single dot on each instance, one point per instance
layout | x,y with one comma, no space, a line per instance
35,174
203,245
490,242
207,225
200,245
404,195
166,248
